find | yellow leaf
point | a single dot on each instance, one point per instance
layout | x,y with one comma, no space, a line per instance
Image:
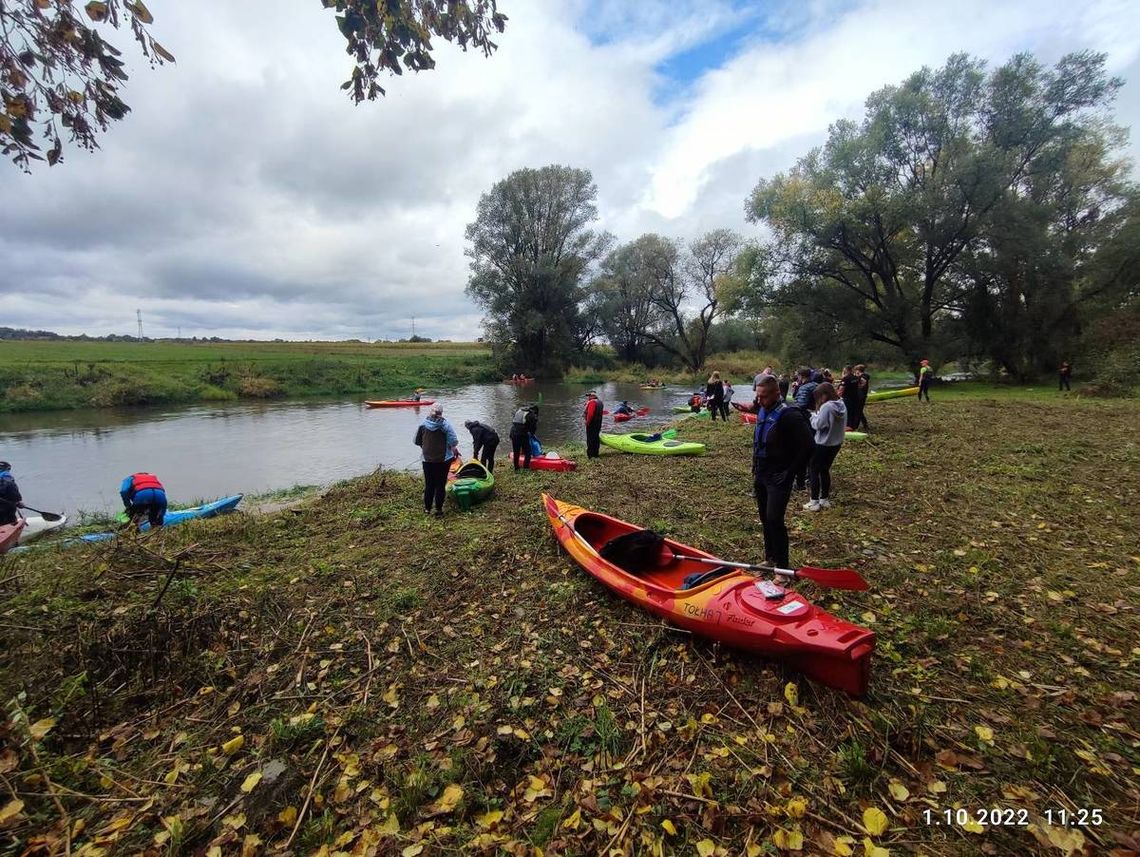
792,694
41,728
489,819
706,847
796,807
708,718
868,618
788,840
972,826
251,782
936,787
233,745
874,820
392,695
433,702
287,816
870,849
985,733
11,811
700,783
450,799
668,827
843,847
753,850
413,850
898,790
573,821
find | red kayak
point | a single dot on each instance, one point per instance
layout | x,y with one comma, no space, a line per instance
621,418
399,403
10,534
727,604
548,462
746,417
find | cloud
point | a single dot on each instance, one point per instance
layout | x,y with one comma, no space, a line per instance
246,196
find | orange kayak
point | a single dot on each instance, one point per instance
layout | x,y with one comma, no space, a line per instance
10,534
399,403
729,605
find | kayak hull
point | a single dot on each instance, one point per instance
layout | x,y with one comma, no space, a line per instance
36,526
398,403
546,462
470,484
883,395
639,443
621,418
10,535
729,607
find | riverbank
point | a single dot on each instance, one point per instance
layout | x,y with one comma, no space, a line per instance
51,375
350,674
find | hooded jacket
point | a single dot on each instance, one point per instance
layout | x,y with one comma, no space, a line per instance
436,439
830,423
10,493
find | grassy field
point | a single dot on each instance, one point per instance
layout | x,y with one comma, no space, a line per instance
37,375
351,677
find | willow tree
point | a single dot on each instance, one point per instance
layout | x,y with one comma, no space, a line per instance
531,245
884,212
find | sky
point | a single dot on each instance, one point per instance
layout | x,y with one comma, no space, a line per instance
245,196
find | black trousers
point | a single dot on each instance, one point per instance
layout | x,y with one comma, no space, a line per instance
819,471
802,474
1062,382
924,389
486,454
435,483
716,408
594,439
520,445
772,503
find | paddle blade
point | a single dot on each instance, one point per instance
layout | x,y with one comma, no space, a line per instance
836,578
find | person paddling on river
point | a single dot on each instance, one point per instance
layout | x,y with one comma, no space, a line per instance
485,441
592,416
10,499
143,494
623,408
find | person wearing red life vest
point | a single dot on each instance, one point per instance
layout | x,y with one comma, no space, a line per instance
593,418
143,494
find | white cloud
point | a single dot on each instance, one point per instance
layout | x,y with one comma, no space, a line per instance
246,196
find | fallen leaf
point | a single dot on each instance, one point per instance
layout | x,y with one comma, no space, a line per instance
792,694
898,791
668,827
233,745
870,849
874,820
450,799
251,782
985,733
796,807
41,728
12,810
706,847
489,819
788,840
573,821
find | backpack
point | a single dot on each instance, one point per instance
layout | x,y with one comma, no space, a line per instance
634,552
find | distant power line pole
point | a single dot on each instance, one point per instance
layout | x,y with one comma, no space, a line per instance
413,325
138,314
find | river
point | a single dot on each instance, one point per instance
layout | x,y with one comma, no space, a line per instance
71,461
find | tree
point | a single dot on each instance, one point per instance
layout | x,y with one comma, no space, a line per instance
57,70
623,294
883,213
530,246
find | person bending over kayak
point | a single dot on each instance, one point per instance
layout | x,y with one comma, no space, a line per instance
485,441
592,416
143,494
781,444
830,424
438,445
10,499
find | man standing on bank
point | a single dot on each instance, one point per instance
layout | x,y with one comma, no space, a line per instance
781,444
593,417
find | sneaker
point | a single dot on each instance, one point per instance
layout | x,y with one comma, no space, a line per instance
824,503
812,506
439,513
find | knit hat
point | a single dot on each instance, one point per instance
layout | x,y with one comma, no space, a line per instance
436,410
592,394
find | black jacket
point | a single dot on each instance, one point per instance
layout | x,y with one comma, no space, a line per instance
9,497
482,435
787,446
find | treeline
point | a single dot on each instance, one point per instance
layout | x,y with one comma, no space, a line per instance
21,333
977,216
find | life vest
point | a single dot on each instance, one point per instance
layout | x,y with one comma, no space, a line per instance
763,429
695,401
142,481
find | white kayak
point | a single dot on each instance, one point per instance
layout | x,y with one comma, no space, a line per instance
36,525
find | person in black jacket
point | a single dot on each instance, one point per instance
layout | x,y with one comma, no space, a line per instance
10,499
781,445
520,435
485,440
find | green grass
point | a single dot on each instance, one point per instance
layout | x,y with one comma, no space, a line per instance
43,375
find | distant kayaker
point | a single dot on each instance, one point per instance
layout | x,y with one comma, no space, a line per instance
143,494
1063,376
781,444
485,441
714,395
830,424
925,376
10,499
592,416
416,394
438,445
623,408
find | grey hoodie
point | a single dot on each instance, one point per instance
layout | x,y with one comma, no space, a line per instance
830,423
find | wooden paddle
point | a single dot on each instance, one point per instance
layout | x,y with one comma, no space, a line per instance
835,578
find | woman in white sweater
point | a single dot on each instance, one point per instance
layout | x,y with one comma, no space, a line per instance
830,423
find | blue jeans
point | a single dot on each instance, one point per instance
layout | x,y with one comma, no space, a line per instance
150,502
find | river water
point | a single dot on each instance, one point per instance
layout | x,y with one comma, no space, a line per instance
69,461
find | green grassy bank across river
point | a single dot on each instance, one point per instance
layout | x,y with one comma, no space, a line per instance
47,375
350,676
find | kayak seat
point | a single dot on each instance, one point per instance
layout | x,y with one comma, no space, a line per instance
636,552
700,578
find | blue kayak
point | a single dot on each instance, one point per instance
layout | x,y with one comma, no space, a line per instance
173,516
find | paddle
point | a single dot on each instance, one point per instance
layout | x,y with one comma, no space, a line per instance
836,578
47,516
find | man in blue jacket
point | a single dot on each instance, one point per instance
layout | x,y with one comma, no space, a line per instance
781,445
143,494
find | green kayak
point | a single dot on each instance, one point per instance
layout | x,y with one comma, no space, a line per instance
881,395
471,484
663,445
685,409
855,435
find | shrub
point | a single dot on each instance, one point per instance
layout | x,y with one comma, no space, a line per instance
254,387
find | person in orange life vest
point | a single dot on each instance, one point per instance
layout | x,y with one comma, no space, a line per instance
593,418
143,494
